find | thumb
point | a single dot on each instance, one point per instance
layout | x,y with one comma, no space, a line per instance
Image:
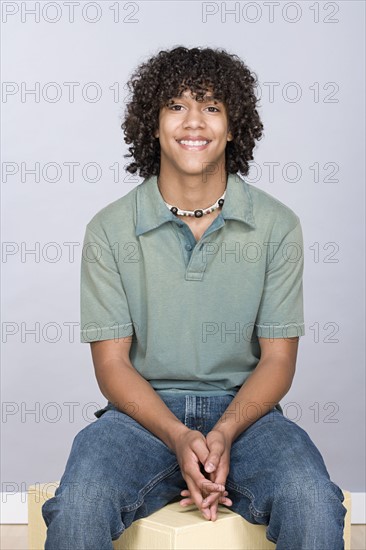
200,449
212,462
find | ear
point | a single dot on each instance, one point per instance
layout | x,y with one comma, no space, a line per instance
229,136
156,133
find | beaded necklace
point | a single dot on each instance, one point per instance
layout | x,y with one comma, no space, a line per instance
198,213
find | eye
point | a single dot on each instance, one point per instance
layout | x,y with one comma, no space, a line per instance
172,107
212,107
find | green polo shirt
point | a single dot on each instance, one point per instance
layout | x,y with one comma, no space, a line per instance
194,309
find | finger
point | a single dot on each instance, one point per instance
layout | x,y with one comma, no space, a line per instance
219,476
188,500
222,500
200,449
212,488
217,447
214,507
196,496
214,497
199,487
209,501
213,510
207,487
187,493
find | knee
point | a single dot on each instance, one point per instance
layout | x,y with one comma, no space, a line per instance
308,515
81,517
81,500
68,504
313,501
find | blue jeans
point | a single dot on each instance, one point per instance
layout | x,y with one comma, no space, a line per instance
119,472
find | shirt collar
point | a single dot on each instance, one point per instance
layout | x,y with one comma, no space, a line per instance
153,212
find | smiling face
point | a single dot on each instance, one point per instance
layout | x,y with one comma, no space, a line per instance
193,135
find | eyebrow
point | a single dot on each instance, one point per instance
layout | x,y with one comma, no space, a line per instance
205,99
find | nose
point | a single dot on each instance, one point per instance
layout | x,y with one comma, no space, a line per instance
194,117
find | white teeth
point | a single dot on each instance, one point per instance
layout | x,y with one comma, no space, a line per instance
193,143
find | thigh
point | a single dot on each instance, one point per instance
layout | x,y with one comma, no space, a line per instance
275,458
116,461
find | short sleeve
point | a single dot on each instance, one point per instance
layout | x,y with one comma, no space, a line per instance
280,314
104,311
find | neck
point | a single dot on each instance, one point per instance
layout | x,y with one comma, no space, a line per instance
199,191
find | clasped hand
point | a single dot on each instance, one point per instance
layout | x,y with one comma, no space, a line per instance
211,453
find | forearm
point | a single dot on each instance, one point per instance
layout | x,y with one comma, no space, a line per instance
265,387
132,394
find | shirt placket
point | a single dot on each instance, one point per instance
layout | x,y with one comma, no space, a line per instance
194,255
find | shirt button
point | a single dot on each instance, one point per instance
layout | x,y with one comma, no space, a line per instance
188,247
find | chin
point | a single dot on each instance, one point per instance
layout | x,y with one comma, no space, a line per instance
198,166
193,171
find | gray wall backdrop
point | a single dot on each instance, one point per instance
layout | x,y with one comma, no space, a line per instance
62,161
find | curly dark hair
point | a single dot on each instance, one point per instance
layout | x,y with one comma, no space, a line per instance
168,74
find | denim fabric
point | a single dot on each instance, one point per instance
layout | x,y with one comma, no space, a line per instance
118,472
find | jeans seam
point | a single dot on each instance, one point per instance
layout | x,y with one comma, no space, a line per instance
149,487
269,536
248,494
190,408
115,536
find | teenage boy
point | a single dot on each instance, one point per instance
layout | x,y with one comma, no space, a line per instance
191,299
